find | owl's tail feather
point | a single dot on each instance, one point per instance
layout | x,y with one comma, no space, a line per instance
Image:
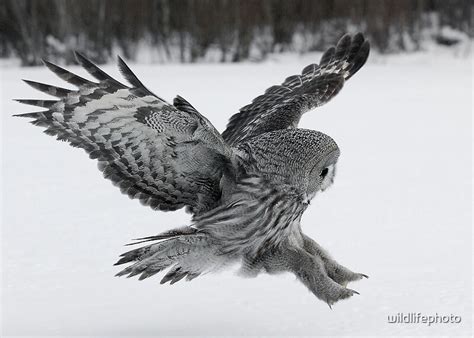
187,252
186,230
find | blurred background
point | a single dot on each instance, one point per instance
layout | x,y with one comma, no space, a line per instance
221,30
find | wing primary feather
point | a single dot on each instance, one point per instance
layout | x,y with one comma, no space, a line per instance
357,42
48,89
128,74
95,71
343,46
38,103
133,79
359,58
68,76
327,57
33,115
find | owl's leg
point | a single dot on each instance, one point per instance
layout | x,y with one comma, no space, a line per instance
310,271
336,271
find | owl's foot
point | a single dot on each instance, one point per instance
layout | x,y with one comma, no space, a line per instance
338,294
325,288
341,274
314,275
318,272
338,273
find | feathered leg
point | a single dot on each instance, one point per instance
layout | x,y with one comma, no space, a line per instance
309,269
335,271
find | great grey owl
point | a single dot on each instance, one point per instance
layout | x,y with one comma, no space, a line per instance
246,188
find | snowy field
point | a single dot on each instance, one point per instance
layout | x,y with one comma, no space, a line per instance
400,211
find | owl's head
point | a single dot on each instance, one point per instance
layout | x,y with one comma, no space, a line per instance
304,158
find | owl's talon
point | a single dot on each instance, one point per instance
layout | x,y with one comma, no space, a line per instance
341,274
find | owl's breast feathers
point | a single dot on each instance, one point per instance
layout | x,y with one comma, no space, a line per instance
258,217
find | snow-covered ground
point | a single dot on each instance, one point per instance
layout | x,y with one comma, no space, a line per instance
400,211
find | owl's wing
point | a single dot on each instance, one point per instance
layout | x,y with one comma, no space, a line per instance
167,156
281,106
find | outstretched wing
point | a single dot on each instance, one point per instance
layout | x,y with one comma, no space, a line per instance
281,106
167,156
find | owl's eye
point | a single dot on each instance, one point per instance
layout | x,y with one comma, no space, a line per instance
324,172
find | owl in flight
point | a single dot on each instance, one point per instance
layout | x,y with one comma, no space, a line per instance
246,188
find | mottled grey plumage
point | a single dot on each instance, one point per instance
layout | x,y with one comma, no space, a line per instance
247,189
283,105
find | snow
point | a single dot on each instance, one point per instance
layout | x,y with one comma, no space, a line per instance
400,211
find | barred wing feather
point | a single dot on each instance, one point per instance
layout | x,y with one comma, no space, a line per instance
164,156
282,106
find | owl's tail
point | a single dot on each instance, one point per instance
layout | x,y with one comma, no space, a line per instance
187,252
